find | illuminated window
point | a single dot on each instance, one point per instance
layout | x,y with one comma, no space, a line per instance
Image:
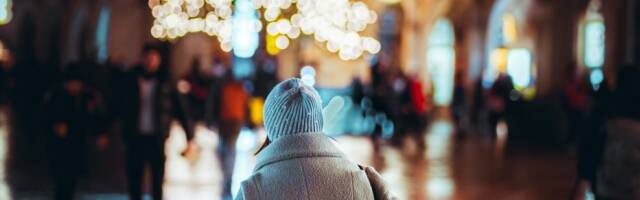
501,35
593,51
5,11
509,29
441,61
594,44
519,67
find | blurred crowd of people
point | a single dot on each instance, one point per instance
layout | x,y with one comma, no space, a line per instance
88,101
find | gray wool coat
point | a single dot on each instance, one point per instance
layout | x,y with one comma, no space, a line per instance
310,166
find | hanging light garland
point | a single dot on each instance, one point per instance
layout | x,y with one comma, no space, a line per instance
176,18
334,23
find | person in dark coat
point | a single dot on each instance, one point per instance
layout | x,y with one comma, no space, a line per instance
499,100
233,115
72,112
608,157
149,102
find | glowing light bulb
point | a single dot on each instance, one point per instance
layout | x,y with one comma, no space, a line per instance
282,42
272,28
283,26
336,22
294,32
157,31
271,14
172,20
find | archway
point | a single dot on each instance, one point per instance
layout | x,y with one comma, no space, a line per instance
507,50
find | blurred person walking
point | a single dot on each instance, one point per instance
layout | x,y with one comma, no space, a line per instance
233,113
197,91
499,100
148,104
72,112
459,106
298,161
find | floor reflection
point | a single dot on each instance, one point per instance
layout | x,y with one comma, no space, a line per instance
437,165
439,183
202,178
198,179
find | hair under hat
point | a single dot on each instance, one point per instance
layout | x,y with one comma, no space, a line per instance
292,108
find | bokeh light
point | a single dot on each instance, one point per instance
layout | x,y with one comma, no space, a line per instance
176,18
594,44
308,75
5,11
336,22
245,39
519,67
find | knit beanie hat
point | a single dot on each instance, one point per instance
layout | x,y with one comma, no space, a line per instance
292,108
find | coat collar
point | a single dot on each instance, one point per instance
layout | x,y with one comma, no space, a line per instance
301,145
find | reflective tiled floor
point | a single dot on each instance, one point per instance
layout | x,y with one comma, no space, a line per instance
444,167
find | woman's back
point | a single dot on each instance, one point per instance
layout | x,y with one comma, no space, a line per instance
299,161
305,166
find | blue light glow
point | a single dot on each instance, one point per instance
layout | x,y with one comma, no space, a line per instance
594,44
245,36
442,34
596,77
102,34
519,67
242,68
308,75
4,10
441,61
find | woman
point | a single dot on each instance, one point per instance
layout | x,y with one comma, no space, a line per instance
298,161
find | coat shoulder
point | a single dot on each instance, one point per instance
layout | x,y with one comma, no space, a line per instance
249,189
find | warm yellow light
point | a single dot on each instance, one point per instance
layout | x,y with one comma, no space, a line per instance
255,106
3,52
529,93
153,3
499,59
509,28
272,49
390,1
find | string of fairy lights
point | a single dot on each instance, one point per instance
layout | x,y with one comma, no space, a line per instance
337,24
176,18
